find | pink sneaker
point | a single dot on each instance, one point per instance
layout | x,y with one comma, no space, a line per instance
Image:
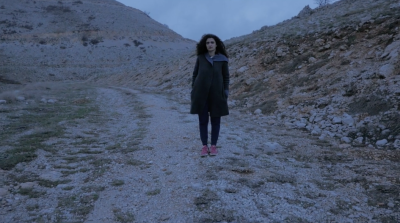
213,150
204,151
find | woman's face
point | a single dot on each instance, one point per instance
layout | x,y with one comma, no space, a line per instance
211,45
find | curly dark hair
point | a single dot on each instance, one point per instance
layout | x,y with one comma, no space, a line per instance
202,49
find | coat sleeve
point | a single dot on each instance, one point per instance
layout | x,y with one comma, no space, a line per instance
225,75
195,71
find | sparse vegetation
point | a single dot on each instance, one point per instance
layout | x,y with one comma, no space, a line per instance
50,183
153,192
32,207
95,41
123,217
47,116
117,183
322,3
57,9
137,43
135,162
31,193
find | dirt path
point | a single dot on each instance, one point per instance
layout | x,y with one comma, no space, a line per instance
262,174
135,158
158,186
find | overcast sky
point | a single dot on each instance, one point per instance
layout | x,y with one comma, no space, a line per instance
224,18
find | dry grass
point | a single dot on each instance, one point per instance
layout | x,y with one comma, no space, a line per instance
29,125
117,183
123,217
37,91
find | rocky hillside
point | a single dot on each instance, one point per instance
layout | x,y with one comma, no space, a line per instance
333,71
76,39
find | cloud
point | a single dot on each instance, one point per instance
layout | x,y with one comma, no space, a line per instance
225,18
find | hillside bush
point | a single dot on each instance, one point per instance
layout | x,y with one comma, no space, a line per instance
57,9
137,43
322,3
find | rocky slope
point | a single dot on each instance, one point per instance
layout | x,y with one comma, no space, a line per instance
333,71
80,152
70,39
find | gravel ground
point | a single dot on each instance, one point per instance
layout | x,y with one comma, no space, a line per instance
148,148
262,174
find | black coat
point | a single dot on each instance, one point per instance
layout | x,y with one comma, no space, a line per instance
209,83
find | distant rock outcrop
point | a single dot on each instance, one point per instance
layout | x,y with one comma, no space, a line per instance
306,11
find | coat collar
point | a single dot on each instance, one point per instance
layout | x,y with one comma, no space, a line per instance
217,57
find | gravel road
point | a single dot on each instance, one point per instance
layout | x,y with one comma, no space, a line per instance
146,167
262,174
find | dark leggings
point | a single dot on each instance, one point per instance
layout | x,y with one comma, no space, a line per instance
215,126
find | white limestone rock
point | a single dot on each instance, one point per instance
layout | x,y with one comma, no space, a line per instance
52,176
343,48
258,111
382,142
289,125
250,81
346,140
337,120
309,127
344,146
242,69
391,51
386,70
273,145
347,119
318,119
359,139
311,118
370,54
316,131
27,185
3,192
331,134
51,101
312,60
319,42
300,124
396,144
20,98
280,52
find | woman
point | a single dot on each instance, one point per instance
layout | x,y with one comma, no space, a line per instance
210,89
